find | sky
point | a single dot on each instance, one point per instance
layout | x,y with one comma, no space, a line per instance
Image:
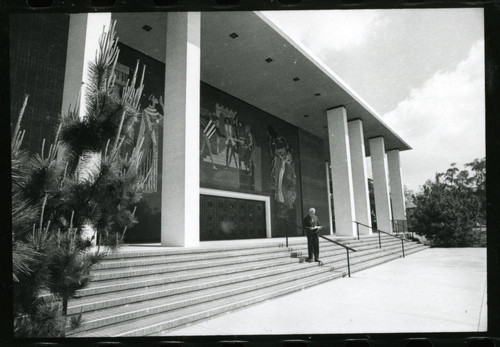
422,70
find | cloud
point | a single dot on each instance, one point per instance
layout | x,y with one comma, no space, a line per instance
443,120
329,30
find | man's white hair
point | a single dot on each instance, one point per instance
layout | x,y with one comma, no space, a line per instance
312,209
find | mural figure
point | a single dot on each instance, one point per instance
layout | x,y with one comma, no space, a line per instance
208,127
283,170
240,143
247,152
150,121
231,140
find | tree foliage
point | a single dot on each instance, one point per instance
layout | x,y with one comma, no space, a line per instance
85,180
448,209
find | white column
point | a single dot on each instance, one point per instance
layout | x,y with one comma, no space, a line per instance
340,161
359,176
329,197
83,41
396,184
380,186
84,32
180,215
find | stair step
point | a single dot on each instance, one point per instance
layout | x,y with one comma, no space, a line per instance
157,251
141,270
169,259
133,310
158,322
125,282
145,308
146,292
205,249
197,260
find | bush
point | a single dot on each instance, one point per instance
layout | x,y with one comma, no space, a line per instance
448,210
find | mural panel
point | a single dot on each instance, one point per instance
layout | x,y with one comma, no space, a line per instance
245,149
148,129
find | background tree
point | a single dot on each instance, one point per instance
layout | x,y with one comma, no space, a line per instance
59,194
408,194
448,209
478,183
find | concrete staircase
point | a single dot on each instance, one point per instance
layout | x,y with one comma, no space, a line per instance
149,292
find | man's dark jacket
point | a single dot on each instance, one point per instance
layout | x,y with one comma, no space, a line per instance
308,222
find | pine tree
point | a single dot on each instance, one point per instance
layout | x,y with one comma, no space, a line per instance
86,180
34,316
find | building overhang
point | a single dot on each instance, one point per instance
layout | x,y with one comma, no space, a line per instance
236,48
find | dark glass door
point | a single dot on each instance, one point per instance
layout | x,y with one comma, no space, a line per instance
224,218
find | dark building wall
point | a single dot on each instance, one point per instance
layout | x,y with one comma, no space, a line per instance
313,177
38,44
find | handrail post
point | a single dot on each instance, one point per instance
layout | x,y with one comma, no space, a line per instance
403,246
357,226
348,263
379,241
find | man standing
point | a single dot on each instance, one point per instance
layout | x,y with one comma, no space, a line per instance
312,227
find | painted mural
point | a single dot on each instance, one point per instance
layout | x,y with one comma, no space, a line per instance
229,147
151,120
245,149
149,126
284,179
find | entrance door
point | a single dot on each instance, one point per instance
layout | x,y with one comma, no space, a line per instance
224,218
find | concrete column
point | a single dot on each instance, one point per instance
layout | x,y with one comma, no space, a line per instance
84,32
340,159
359,176
83,41
396,185
180,211
380,184
329,197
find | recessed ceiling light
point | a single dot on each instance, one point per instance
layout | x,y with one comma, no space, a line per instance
268,60
233,35
317,94
296,79
147,28
306,115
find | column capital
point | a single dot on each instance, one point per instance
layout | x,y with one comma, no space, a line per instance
392,150
336,107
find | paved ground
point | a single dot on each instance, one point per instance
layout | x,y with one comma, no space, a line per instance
436,290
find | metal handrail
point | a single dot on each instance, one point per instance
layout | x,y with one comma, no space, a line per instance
385,232
347,248
338,243
401,226
368,226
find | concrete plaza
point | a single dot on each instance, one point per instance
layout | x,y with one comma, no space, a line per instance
436,290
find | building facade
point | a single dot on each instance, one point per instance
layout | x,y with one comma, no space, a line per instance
244,128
